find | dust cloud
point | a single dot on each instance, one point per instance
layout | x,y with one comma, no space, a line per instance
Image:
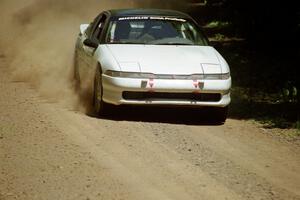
38,38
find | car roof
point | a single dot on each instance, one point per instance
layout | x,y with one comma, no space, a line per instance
151,12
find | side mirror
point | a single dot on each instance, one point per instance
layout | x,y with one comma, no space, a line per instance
91,43
83,28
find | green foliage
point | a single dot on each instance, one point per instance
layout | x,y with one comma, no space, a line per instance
219,37
217,24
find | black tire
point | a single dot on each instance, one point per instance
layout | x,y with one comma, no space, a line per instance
221,114
100,107
76,72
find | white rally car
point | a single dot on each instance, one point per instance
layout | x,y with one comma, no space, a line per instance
151,57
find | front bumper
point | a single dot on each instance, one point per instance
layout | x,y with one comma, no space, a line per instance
113,89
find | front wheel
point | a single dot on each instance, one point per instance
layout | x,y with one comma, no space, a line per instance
76,72
100,106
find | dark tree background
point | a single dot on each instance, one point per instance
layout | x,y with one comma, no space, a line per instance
265,62
263,23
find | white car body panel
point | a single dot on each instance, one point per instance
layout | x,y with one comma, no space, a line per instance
115,86
166,59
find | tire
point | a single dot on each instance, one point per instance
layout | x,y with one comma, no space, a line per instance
221,114
76,72
100,107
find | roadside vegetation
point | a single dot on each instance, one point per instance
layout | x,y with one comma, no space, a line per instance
261,44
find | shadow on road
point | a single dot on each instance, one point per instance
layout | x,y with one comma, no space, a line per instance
177,115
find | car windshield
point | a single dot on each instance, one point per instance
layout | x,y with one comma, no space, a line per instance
155,31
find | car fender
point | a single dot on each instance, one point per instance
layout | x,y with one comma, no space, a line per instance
224,65
105,58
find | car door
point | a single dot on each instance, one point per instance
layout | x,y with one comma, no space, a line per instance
84,52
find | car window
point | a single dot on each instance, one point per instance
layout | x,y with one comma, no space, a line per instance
154,30
99,28
93,26
89,30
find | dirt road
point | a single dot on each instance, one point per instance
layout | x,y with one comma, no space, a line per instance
49,151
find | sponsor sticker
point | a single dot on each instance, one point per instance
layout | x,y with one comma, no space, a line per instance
195,83
151,84
151,18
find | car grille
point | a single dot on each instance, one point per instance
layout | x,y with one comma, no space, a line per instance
204,97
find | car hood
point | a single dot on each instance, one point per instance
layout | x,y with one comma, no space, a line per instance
166,59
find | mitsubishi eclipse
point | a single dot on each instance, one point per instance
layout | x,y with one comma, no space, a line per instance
151,57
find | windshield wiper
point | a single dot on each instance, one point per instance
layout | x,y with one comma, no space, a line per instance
128,43
172,43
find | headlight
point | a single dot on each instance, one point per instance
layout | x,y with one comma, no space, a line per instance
129,74
216,76
166,76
